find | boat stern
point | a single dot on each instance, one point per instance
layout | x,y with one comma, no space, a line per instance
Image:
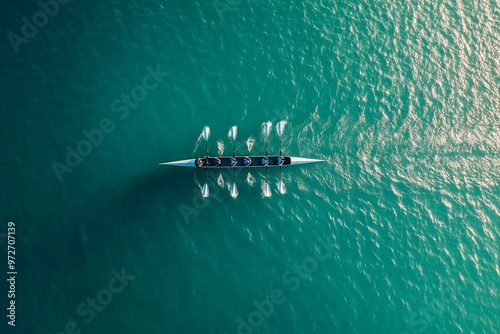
181,163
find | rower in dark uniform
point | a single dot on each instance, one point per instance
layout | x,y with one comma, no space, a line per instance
217,161
247,161
199,162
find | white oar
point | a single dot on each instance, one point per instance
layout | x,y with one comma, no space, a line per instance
205,191
280,127
206,134
266,130
233,190
266,191
234,132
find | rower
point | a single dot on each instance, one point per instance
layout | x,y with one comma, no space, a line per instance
247,161
199,162
233,162
281,160
217,161
265,161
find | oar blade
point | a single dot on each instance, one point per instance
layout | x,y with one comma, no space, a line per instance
266,189
266,129
233,132
206,133
281,187
280,127
204,191
234,190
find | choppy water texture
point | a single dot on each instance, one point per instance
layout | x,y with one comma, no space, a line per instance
398,232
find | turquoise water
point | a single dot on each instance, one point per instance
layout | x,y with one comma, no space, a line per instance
396,233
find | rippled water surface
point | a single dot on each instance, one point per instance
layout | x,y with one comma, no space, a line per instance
397,232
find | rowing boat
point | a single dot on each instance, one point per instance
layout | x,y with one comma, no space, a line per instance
227,162
234,161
